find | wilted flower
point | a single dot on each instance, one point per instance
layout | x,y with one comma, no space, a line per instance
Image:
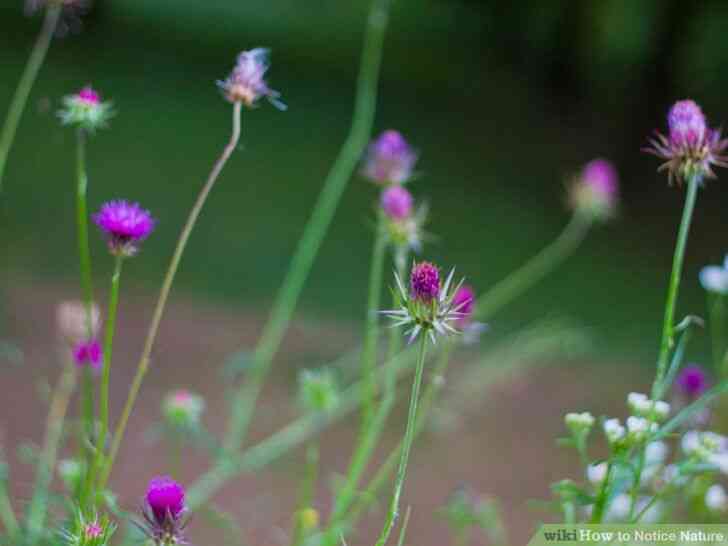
246,83
691,148
716,499
692,381
427,306
86,110
88,353
72,321
183,409
595,191
318,390
165,511
126,224
389,159
714,278
397,202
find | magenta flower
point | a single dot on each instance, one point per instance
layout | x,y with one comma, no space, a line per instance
164,511
424,282
595,191
691,148
88,96
88,353
93,530
692,381
126,224
389,159
246,83
397,202
464,302
86,110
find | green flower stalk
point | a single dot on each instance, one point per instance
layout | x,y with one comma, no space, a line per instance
30,74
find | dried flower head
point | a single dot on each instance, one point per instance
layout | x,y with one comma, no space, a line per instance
126,224
397,203
183,409
428,305
691,147
595,191
88,353
86,110
246,83
389,159
73,323
692,381
164,511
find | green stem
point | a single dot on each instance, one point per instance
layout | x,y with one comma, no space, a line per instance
535,269
716,308
672,291
371,334
20,98
317,226
637,479
7,514
143,365
602,497
107,353
307,494
54,429
409,437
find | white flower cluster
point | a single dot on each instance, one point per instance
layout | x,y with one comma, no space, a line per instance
642,406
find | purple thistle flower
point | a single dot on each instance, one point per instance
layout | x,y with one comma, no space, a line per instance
464,302
164,511
126,224
88,353
389,159
691,148
88,96
397,202
424,282
595,191
692,381
246,83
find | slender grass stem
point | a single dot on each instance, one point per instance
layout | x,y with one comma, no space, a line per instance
307,493
316,228
371,333
144,360
409,437
603,496
20,98
534,269
672,292
44,476
7,514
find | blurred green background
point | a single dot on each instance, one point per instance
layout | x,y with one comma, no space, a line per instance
504,101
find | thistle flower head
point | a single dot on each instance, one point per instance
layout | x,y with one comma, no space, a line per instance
595,191
427,306
183,409
164,511
692,381
126,225
83,531
86,110
397,202
714,278
88,353
691,148
389,159
246,83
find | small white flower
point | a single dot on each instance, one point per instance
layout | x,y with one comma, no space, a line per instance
596,473
716,498
672,476
577,421
720,460
656,453
714,278
642,406
613,430
639,427
706,446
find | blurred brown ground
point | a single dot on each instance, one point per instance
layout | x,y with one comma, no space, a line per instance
503,446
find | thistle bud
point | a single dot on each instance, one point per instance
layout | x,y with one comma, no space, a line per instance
86,110
389,159
183,409
318,390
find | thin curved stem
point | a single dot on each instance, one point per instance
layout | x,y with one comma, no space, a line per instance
534,269
143,365
672,291
30,74
409,437
315,230
54,429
